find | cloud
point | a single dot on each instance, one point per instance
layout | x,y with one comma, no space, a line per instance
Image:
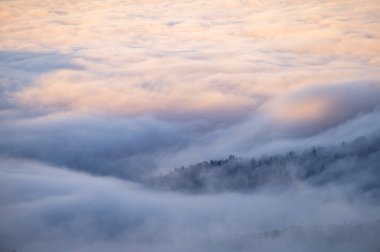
238,77
45,207
314,109
128,89
343,112
18,69
105,146
214,61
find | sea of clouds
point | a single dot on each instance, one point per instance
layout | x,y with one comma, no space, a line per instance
97,95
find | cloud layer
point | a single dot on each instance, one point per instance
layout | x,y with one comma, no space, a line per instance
53,208
95,96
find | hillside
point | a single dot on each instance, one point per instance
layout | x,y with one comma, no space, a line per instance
358,160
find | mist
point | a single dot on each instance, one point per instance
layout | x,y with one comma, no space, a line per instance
55,208
157,125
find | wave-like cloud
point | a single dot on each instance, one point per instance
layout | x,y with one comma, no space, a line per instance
49,208
133,88
208,79
195,61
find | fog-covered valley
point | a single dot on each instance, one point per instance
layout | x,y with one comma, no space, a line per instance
157,125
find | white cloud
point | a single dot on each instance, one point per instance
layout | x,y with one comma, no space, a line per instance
125,87
45,208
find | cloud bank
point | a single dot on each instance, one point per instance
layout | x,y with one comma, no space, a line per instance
54,208
97,96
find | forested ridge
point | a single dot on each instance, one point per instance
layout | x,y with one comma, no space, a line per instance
356,160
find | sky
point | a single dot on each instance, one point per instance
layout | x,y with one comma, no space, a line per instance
97,95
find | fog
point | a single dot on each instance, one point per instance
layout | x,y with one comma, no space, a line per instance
103,102
52,208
